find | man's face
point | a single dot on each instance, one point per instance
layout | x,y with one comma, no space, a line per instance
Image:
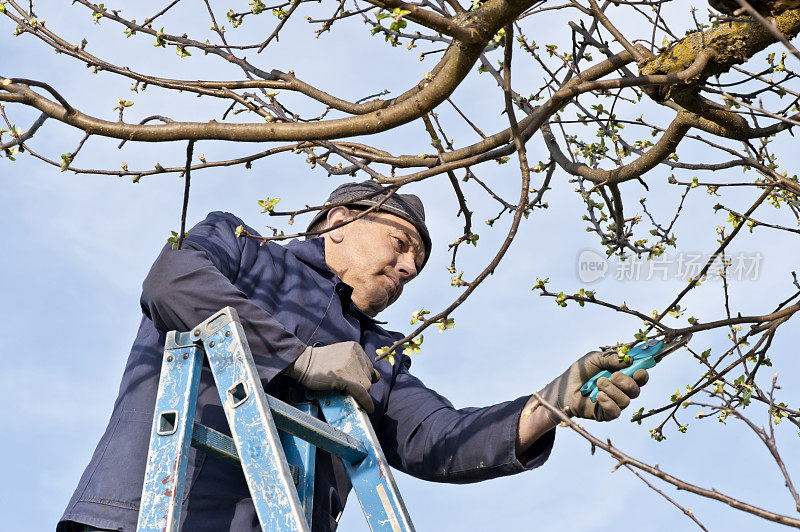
376,255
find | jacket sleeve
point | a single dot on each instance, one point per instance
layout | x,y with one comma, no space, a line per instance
186,286
424,436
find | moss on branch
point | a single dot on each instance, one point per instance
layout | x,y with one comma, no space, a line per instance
734,42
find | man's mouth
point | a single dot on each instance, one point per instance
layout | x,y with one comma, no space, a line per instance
393,285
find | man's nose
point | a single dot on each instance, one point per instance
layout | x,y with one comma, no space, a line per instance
406,269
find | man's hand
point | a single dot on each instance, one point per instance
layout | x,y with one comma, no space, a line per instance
614,395
342,366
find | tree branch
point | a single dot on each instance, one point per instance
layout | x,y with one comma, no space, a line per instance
656,472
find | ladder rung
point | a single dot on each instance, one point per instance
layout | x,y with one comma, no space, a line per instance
215,443
218,444
316,432
288,419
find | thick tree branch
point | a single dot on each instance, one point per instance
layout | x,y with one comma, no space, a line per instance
734,42
650,159
469,34
456,64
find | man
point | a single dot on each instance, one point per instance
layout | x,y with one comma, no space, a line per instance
308,310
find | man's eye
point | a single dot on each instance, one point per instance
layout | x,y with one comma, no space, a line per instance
401,244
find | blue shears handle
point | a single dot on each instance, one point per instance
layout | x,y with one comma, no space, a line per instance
644,357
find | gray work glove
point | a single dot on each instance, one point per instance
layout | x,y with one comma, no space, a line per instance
614,395
341,366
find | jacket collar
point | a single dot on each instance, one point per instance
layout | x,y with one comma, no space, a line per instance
312,253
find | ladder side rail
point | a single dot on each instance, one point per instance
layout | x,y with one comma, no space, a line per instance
170,436
371,478
301,454
264,463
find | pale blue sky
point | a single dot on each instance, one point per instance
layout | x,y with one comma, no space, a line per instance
76,248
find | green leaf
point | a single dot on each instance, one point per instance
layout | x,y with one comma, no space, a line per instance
160,40
418,316
66,158
445,323
561,300
412,347
10,152
381,351
122,104
540,283
268,204
235,19
174,239
258,7
97,16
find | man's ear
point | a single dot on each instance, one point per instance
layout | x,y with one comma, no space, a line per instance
336,216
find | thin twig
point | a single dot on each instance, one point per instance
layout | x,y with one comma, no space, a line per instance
186,174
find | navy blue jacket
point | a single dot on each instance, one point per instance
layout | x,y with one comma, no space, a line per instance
287,299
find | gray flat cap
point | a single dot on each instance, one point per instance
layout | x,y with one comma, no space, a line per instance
406,206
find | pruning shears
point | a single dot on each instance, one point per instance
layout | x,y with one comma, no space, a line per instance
645,355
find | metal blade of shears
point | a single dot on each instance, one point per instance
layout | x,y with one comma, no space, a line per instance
672,344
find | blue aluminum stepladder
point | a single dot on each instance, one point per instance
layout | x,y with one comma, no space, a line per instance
274,442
